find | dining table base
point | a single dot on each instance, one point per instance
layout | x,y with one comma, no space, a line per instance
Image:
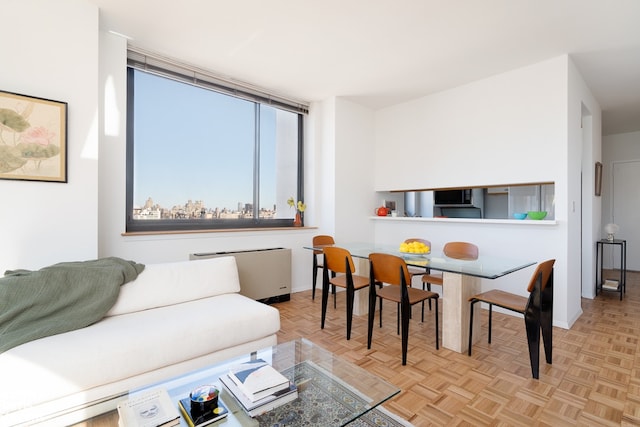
457,290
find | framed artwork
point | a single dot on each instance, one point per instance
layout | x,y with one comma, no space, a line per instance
33,138
598,178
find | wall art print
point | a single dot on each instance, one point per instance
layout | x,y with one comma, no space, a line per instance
33,138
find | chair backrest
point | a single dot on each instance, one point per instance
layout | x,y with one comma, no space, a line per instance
545,268
386,268
322,240
336,259
461,250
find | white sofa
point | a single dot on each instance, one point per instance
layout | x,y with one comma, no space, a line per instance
173,318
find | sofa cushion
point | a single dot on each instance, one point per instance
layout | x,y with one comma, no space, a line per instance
171,283
122,346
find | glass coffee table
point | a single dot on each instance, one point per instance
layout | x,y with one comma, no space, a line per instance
331,390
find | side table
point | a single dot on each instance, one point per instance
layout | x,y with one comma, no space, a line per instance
600,280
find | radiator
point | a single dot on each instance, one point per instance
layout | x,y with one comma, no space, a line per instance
265,274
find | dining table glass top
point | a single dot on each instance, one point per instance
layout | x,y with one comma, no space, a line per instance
486,266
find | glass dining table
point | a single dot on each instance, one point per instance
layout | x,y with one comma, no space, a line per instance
461,278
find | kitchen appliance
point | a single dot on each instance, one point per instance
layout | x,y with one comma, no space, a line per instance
452,197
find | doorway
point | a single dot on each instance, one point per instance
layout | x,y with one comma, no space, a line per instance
624,210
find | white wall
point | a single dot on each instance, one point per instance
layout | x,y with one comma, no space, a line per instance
355,198
44,56
510,128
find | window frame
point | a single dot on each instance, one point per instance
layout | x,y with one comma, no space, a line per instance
193,225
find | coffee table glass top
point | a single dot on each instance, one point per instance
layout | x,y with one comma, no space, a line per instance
331,390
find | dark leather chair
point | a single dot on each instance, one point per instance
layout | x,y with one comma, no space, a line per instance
317,265
390,269
338,270
537,310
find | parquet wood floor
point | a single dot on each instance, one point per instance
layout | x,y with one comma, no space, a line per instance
594,379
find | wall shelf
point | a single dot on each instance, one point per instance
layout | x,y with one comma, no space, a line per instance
527,222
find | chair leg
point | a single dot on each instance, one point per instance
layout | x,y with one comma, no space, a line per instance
315,277
547,335
371,315
490,321
349,311
532,325
429,289
405,309
381,312
471,325
546,321
437,328
325,298
333,291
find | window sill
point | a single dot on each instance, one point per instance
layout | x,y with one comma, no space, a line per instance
216,230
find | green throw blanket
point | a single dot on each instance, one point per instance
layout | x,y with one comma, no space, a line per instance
59,298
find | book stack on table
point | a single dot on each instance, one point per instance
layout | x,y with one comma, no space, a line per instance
259,387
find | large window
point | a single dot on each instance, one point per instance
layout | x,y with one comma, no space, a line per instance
201,158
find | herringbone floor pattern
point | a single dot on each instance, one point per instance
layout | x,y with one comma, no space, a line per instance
594,379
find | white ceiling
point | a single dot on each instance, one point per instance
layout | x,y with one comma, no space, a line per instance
381,52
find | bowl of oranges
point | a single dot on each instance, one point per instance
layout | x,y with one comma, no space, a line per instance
414,248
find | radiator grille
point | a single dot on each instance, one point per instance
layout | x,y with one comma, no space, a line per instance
265,274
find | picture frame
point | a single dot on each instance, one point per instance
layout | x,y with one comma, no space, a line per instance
33,138
598,175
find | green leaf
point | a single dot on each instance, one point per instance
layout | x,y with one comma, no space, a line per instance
10,159
13,120
37,151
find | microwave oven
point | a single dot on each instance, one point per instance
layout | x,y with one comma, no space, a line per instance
452,197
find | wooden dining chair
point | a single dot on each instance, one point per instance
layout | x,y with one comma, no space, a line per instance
457,250
317,265
392,270
338,261
537,310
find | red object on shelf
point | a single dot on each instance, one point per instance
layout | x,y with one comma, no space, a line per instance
382,211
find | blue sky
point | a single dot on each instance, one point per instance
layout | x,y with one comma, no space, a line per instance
185,149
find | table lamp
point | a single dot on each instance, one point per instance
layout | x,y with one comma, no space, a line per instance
611,229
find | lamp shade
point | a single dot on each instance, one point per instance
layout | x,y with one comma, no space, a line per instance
611,228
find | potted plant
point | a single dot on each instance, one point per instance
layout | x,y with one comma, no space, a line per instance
299,206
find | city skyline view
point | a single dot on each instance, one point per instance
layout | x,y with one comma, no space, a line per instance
198,210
